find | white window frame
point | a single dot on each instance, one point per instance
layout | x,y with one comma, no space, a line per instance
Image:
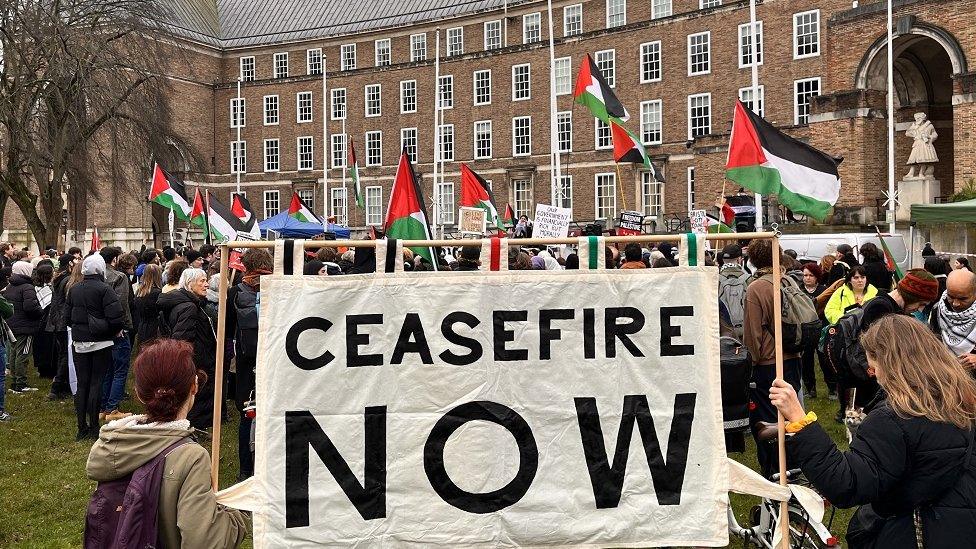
515,142
566,200
374,137
567,21
536,26
238,112
596,196
412,152
238,152
650,188
704,4
307,109
268,112
418,47
757,49
278,57
691,99
645,109
373,212
612,79
489,31
272,195
646,53
334,93
528,82
347,61
522,194
796,36
657,12
762,98
690,187
707,52
339,205
445,91
339,150
382,52
487,88
563,71
310,61
599,125
274,166
444,213
796,98
310,165
247,74
458,45
610,15
368,90
406,85
446,154
564,118
479,153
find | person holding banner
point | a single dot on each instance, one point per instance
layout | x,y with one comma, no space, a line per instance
910,466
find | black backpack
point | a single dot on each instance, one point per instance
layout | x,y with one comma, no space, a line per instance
842,347
736,367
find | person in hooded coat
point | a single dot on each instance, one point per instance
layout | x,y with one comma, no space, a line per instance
57,324
24,324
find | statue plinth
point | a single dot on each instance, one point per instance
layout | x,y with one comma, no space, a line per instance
916,190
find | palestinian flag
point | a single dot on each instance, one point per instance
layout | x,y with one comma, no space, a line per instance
509,219
353,172
300,211
406,216
198,215
628,148
242,210
96,241
890,259
224,225
593,92
168,191
768,161
714,225
728,214
475,193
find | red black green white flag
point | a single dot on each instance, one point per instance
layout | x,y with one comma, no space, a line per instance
767,161
169,192
354,175
475,193
242,210
198,215
300,210
628,148
593,92
889,258
406,216
96,244
509,218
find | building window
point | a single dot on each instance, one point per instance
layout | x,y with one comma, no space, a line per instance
373,94
374,148
745,45
745,95
521,82
446,85
338,103
604,139
374,205
238,115
447,142
313,61
660,8
281,65
270,110
455,41
573,20
806,34
408,96
271,203
482,139
522,136
493,35
522,189
382,52
418,47
652,194
616,13
482,87
709,3
304,104
238,157
562,195
691,188
338,150
699,115
699,53
306,153
650,54
606,196
563,69
408,143
348,57
605,62
650,122
531,28
564,131
338,205
271,158
445,203
247,69
804,90
307,196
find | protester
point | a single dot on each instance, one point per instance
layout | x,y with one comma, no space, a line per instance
518,260
853,294
185,318
954,317
927,250
315,267
875,267
167,382
550,262
469,259
44,349
572,262
114,383
812,287
194,259
915,290
826,264
667,250
57,325
173,274
6,311
661,263
758,337
538,263
96,319
24,324
732,284
523,229
842,265
633,257
909,462
145,312
961,263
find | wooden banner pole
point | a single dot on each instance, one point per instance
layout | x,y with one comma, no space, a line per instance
784,517
218,380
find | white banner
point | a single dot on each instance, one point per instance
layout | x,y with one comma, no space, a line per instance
490,409
551,221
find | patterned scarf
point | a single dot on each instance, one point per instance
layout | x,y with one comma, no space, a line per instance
253,278
958,328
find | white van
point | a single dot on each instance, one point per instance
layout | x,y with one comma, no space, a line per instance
815,246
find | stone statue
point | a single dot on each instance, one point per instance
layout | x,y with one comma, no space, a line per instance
923,152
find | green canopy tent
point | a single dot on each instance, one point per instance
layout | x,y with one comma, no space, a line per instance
952,212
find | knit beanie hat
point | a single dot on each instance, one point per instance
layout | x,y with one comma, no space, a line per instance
919,286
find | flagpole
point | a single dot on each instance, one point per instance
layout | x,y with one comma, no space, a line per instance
240,117
556,169
206,216
345,160
437,125
172,230
325,148
755,93
891,128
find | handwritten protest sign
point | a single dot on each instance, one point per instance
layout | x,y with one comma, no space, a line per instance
551,221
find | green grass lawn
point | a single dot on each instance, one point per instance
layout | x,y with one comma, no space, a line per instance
44,491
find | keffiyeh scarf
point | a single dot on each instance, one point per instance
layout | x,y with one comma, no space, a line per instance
958,328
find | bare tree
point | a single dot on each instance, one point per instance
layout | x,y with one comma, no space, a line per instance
82,101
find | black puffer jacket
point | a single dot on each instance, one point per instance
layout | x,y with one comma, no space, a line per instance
27,309
185,319
94,311
878,274
145,315
57,317
895,465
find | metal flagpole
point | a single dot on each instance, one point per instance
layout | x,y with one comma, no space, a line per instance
891,129
325,148
240,119
556,169
345,160
755,93
172,230
438,97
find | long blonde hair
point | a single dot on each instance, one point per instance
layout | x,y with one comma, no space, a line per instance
920,375
152,278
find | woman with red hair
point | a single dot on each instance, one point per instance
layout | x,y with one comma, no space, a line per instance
166,382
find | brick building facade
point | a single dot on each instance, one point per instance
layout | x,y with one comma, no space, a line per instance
677,65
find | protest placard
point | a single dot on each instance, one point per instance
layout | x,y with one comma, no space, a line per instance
490,409
699,221
551,221
472,220
630,223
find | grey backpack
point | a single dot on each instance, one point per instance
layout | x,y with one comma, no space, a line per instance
732,292
801,324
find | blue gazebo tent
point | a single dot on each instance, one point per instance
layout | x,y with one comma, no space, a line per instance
289,227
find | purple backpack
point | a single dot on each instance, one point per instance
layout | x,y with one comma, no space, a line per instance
123,513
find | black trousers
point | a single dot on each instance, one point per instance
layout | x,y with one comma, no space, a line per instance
61,386
764,410
91,369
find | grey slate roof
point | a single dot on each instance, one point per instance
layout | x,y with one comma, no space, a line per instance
241,23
